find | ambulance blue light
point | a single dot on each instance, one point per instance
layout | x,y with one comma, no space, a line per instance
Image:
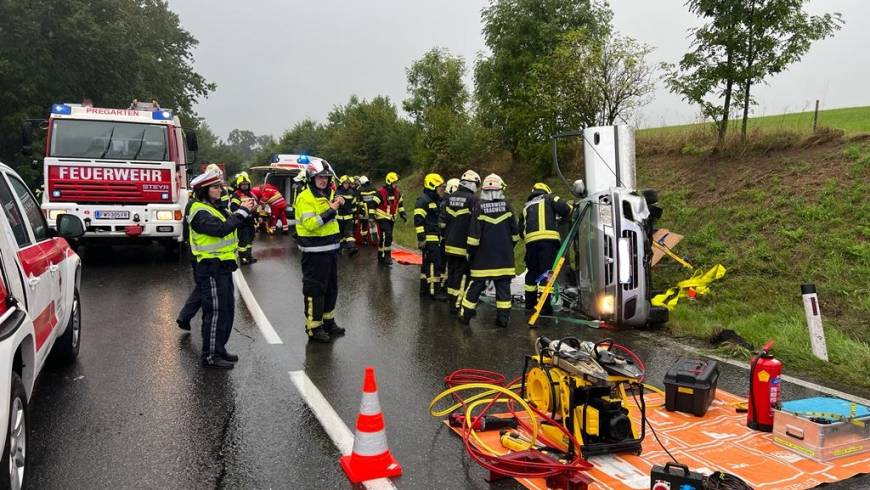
55,193
61,109
275,158
162,115
303,159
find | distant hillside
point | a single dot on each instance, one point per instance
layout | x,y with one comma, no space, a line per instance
850,120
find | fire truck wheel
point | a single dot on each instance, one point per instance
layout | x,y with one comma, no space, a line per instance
66,350
13,460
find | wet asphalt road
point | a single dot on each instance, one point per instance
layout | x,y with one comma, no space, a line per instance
137,411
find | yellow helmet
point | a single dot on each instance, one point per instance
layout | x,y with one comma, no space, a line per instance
493,182
242,178
343,179
540,186
433,181
392,177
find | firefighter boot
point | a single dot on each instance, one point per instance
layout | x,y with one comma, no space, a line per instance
503,318
332,328
440,294
531,300
319,335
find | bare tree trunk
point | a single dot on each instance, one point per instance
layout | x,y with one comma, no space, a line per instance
750,60
747,87
726,108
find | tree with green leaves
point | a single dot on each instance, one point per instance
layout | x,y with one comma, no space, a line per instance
110,51
519,33
305,137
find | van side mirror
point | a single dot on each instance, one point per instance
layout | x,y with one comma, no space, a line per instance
579,188
27,138
192,142
69,226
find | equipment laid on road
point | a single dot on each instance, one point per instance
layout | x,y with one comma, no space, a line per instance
690,385
371,457
585,386
675,476
123,172
764,389
613,243
822,428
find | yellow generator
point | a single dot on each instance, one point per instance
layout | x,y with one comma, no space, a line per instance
586,387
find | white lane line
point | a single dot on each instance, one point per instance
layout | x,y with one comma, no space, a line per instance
785,377
333,425
260,319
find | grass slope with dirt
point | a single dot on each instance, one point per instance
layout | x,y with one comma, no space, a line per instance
788,209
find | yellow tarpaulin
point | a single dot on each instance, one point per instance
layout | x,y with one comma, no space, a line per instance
697,285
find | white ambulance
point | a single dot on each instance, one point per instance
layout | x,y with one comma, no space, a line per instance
39,311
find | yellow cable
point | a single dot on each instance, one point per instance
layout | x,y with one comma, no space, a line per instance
478,400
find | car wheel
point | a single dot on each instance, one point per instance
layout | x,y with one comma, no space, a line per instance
66,349
13,460
658,316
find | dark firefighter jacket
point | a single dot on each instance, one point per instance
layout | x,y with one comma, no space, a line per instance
367,203
236,202
456,219
345,211
426,217
541,213
491,238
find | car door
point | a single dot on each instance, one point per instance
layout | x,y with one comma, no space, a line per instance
34,267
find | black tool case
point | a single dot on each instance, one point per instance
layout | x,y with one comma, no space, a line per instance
690,385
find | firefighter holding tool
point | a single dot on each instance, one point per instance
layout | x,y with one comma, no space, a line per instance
319,240
214,244
247,230
388,204
456,218
492,235
426,211
539,227
345,214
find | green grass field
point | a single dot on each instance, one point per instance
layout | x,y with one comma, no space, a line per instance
851,120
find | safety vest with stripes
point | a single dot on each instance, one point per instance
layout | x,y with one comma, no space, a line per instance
211,247
316,227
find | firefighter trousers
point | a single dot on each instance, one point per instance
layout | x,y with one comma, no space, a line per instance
319,288
468,305
431,269
457,278
345,224
214,281
540,256
246,234
385,248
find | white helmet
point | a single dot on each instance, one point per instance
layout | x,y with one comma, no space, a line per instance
471,176
492,182
451,186
363,179
318,168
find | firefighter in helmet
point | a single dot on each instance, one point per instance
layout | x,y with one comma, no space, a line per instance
492,235
214,244
345,214
225,190
319,237
539,227
366,208
388,205
247,230
426,211
456,219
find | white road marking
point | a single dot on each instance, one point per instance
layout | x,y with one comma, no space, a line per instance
341,436
785,377
260,319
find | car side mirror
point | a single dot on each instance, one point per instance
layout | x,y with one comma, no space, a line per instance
192,142
69,226
27,138
579,188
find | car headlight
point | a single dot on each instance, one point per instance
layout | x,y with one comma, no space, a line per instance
164,215
605,304
54,213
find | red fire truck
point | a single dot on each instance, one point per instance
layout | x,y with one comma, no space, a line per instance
123,172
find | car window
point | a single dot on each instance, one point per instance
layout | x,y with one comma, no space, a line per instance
13,214
31,209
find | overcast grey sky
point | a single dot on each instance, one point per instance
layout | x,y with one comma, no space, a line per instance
279,61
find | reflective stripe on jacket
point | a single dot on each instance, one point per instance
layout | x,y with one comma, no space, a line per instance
541,215
205,246
316,227
426,212
455,220
492,235
388,204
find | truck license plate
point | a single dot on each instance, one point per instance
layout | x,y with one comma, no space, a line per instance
112,214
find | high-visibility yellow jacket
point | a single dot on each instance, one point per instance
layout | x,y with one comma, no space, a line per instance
212,232
316,226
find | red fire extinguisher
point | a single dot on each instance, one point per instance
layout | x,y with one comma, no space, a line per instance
764,389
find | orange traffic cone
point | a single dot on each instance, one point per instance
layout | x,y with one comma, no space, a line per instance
371,458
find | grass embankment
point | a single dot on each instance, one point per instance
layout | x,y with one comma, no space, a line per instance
786,208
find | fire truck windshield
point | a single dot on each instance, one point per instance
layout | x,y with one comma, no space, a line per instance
78,138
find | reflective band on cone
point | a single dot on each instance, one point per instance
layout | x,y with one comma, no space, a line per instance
371,457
